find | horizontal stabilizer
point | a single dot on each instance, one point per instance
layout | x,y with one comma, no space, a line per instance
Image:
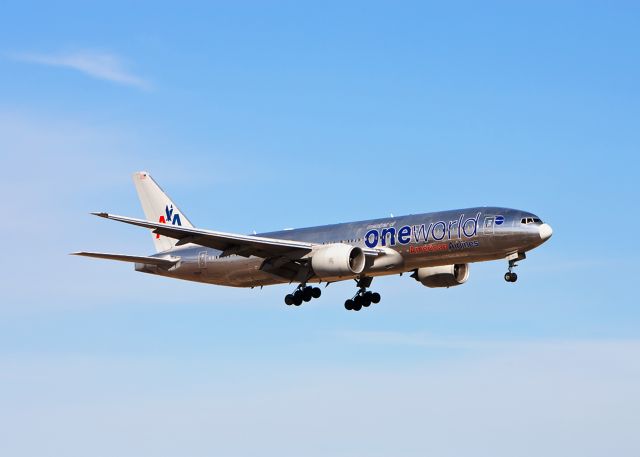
161,262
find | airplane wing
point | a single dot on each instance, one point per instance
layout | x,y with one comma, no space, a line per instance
158,261
228,243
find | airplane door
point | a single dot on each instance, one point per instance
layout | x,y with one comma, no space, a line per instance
202,260
489,224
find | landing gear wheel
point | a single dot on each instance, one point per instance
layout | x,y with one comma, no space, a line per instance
348,305
510,277
316,292
289,300
375,298
306,294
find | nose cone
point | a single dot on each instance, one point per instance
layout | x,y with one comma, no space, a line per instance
545,231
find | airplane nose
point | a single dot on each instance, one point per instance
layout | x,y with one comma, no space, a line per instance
545,232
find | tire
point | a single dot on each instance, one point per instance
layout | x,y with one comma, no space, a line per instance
366,302
306,294
507,277
514,277
288,299
297,300
375,297
348,305
316,292
357,306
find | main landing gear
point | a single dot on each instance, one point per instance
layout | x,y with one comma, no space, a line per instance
303,293
363,298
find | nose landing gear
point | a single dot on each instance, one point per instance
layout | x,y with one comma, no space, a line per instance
303,293
510,276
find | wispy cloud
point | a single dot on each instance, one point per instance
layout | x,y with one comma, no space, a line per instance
400,338
570,398
101,65
420,339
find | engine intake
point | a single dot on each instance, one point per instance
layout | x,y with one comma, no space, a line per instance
442,276
336,260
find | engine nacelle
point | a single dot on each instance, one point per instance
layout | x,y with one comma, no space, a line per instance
338,260
443,276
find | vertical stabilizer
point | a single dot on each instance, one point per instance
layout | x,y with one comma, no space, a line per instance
158,207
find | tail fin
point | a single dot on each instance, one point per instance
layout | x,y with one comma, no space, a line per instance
158,207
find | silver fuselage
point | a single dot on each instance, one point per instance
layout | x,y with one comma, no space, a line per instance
410,242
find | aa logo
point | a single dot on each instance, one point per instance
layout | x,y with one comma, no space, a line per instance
169,216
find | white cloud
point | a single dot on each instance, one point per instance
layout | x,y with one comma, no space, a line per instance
101,65
521,398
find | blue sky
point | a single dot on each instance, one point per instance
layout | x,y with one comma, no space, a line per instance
265,115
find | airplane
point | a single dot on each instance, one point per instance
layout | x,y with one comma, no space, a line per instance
436,248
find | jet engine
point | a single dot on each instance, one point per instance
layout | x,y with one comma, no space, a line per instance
442,276
337,260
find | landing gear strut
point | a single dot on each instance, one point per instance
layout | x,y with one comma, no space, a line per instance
363,298
303,293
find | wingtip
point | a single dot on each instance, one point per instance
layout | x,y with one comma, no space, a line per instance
101,214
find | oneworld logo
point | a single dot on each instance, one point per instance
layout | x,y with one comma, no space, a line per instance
169,216
458,229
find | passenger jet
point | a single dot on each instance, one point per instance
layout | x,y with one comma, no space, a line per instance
436,248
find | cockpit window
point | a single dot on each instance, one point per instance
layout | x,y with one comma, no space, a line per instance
530,220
